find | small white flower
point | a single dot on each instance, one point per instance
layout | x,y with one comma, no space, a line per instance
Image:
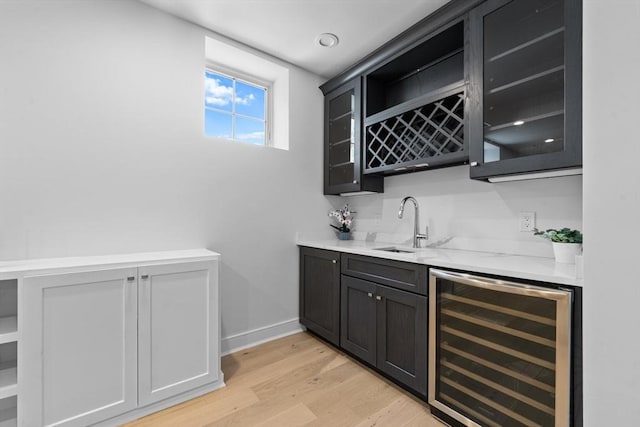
343,216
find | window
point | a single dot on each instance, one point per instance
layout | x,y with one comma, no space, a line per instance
225,59
236,109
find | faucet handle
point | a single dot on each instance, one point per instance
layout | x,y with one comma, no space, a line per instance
419,238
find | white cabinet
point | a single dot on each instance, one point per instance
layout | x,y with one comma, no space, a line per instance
113,344
79,343
177,340
8,351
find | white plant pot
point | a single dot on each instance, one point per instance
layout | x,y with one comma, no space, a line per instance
565,253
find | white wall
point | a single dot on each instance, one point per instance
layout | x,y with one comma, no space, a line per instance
466,214
611,212
102,151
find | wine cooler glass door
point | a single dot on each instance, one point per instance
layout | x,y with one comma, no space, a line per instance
499,351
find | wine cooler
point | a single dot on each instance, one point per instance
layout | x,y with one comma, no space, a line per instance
499,351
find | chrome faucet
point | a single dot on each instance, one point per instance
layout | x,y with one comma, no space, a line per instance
416,235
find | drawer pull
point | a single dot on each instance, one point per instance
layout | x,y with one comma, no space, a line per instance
378,297
144,276
370,294
131,278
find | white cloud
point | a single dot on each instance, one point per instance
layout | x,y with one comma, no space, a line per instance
252,136
247,100
216,93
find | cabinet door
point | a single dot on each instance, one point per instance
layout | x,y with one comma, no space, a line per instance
525,83
402,337
358,318
178,329
342,142
320,292
78,339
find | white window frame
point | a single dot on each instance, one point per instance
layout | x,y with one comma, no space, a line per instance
236,75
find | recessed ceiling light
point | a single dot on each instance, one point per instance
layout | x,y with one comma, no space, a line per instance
518,123
327,40
549,140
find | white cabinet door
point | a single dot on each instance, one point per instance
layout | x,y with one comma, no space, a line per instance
178,329
79,361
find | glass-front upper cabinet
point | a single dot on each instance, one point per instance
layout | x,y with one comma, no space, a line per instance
525,78
342,142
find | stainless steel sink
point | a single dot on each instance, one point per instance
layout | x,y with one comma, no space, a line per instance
395,250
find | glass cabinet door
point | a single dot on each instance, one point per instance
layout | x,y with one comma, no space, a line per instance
522,70
342,139
523,89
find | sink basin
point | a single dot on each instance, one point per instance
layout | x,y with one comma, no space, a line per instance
395,250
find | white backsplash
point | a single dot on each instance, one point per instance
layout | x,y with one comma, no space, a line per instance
466,214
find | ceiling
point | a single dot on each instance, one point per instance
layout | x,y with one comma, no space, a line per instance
287,29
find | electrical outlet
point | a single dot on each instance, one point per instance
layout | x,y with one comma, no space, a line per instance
527,221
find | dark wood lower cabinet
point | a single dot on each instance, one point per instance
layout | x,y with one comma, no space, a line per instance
358,318
386,328
379,324
402,337
320,292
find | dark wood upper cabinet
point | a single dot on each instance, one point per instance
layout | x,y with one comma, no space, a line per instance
342,142
414,106
496,83
525,87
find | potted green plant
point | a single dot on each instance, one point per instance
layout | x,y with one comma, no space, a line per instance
567,243
344,218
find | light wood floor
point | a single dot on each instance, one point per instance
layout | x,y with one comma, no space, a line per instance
296,381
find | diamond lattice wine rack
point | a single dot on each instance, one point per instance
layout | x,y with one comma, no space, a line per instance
424,136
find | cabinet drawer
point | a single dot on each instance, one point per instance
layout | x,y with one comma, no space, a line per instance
401,275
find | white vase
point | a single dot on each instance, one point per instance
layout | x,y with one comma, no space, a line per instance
565,253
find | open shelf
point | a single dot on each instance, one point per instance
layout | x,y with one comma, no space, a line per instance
527,140
8,329
9,417
419,101
528,98
529,119
526,79
8,379
8,352
520,25
428,66
537,41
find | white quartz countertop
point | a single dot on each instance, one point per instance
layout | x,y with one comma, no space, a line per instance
516,266
11,269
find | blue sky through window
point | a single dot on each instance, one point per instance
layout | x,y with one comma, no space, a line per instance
234,109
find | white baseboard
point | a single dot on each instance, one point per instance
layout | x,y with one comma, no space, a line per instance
163,404
261,335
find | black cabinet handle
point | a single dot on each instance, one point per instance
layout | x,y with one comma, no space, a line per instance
144,276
